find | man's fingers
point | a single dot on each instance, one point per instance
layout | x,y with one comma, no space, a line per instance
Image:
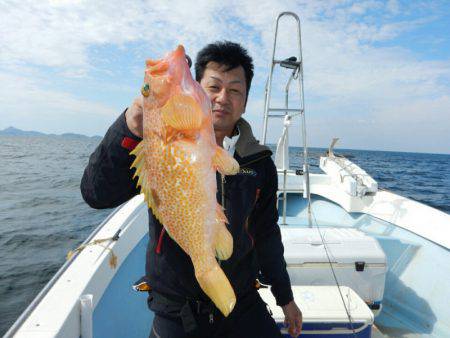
292,329
134,117
138,102
298,327
293,317
295,327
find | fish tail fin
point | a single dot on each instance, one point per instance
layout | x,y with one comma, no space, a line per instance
218,288
182,112
223,240
224,162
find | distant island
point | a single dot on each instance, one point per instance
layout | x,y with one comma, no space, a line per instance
12,131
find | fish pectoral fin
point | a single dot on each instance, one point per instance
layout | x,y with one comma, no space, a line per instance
218,288
224,163
182,112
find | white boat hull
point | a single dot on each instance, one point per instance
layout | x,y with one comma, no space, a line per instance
414,301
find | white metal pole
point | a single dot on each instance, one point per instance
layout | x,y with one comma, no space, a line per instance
86,310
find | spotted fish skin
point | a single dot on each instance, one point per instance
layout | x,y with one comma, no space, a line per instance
177,162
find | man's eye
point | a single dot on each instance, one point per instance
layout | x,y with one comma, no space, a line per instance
213,87
235,91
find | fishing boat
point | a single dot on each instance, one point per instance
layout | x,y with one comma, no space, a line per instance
363,261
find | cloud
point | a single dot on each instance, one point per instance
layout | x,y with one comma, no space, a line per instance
60,34
26,104
353,62
393,6
28,92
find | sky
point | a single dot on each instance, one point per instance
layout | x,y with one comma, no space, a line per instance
376,73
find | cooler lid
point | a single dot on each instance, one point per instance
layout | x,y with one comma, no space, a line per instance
345,246
323,304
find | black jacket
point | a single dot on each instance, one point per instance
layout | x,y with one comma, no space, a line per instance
250,206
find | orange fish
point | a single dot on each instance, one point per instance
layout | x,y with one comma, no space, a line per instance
176,163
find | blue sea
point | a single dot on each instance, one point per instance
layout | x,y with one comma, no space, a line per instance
42,214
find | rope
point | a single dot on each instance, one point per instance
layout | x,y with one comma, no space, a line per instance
112,257
334,274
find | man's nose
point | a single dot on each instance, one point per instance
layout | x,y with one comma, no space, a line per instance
222,96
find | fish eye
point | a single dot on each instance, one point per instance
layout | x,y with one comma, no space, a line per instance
189,60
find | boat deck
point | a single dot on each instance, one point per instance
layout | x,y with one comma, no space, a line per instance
414,305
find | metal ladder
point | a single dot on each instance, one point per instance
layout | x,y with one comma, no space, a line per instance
295,65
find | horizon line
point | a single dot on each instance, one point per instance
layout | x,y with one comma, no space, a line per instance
270,144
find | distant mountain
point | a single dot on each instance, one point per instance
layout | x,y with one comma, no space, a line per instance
12,131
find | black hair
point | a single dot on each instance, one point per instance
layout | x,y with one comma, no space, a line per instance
227,53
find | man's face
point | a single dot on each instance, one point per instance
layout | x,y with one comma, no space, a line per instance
227,91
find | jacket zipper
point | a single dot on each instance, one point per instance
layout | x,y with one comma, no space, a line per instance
223,191
246,228
223,181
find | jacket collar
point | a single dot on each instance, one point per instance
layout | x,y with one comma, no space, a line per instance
247,145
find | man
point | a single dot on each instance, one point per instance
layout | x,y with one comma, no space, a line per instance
225,71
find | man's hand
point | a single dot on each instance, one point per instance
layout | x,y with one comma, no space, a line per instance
293,318
134,117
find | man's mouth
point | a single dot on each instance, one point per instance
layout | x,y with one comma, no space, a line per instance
220,112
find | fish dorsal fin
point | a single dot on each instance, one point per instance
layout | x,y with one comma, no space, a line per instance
150,195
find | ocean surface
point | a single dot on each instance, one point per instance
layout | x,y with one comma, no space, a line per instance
43,216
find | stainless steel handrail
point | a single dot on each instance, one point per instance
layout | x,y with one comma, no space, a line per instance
296,64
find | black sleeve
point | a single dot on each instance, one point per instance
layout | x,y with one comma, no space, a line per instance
107,180
268,243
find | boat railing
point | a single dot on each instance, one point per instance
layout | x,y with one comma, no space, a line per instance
294,64
32,306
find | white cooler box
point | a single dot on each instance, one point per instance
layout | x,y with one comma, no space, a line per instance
358,260
324,314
